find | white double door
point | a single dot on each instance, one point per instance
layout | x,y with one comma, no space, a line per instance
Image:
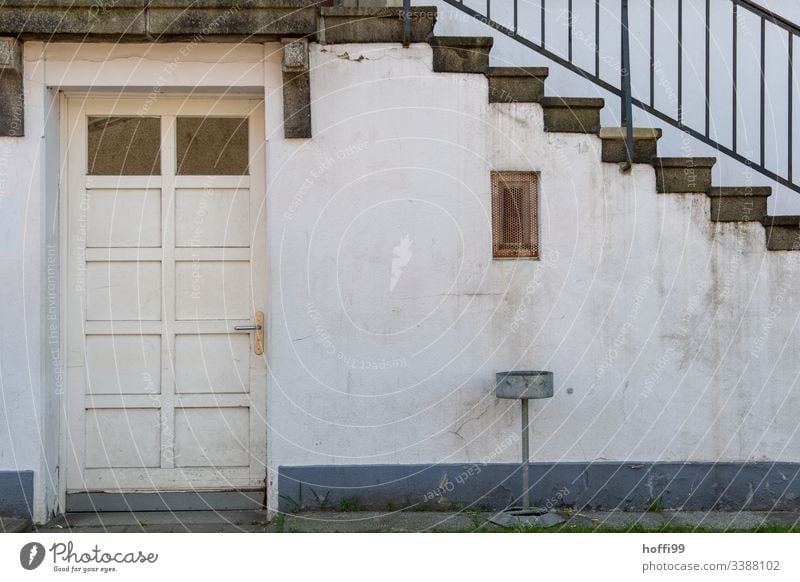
165,258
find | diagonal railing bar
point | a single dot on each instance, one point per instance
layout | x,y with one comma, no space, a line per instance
756,156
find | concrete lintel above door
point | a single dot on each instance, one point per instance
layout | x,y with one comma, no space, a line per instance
207,21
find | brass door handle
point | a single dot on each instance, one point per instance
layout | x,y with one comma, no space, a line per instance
258,336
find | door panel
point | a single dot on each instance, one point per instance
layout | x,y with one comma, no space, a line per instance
163,394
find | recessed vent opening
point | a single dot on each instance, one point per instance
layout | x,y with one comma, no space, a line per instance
515,232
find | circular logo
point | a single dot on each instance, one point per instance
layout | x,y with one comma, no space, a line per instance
31,555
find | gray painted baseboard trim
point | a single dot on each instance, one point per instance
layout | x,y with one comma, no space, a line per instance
167,501
16,493
600,485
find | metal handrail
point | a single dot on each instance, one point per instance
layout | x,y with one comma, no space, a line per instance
755,160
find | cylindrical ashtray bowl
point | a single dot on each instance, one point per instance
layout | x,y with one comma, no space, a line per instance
525,384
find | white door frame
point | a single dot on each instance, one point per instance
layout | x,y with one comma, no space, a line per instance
72,108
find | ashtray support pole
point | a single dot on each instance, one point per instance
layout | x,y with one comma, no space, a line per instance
524,385
526,456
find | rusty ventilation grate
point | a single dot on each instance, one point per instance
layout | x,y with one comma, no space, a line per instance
515,229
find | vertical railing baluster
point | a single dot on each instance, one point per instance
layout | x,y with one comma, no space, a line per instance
516,16
708,69
597,38
406,23
627,108
680,62
569,31
652,53
763,80
544,9
733,74
488,10
790,102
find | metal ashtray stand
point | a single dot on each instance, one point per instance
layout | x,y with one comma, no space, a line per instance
524,386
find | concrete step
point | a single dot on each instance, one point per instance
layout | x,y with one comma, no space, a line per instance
645,144
683,175
516,84
461,54
348,25
783,232
738,203
572,114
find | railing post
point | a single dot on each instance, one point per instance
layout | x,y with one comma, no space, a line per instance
406,23
627,107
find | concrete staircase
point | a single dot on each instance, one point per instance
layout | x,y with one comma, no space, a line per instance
470,54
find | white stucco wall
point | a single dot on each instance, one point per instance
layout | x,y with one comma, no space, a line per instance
28,433
671,337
